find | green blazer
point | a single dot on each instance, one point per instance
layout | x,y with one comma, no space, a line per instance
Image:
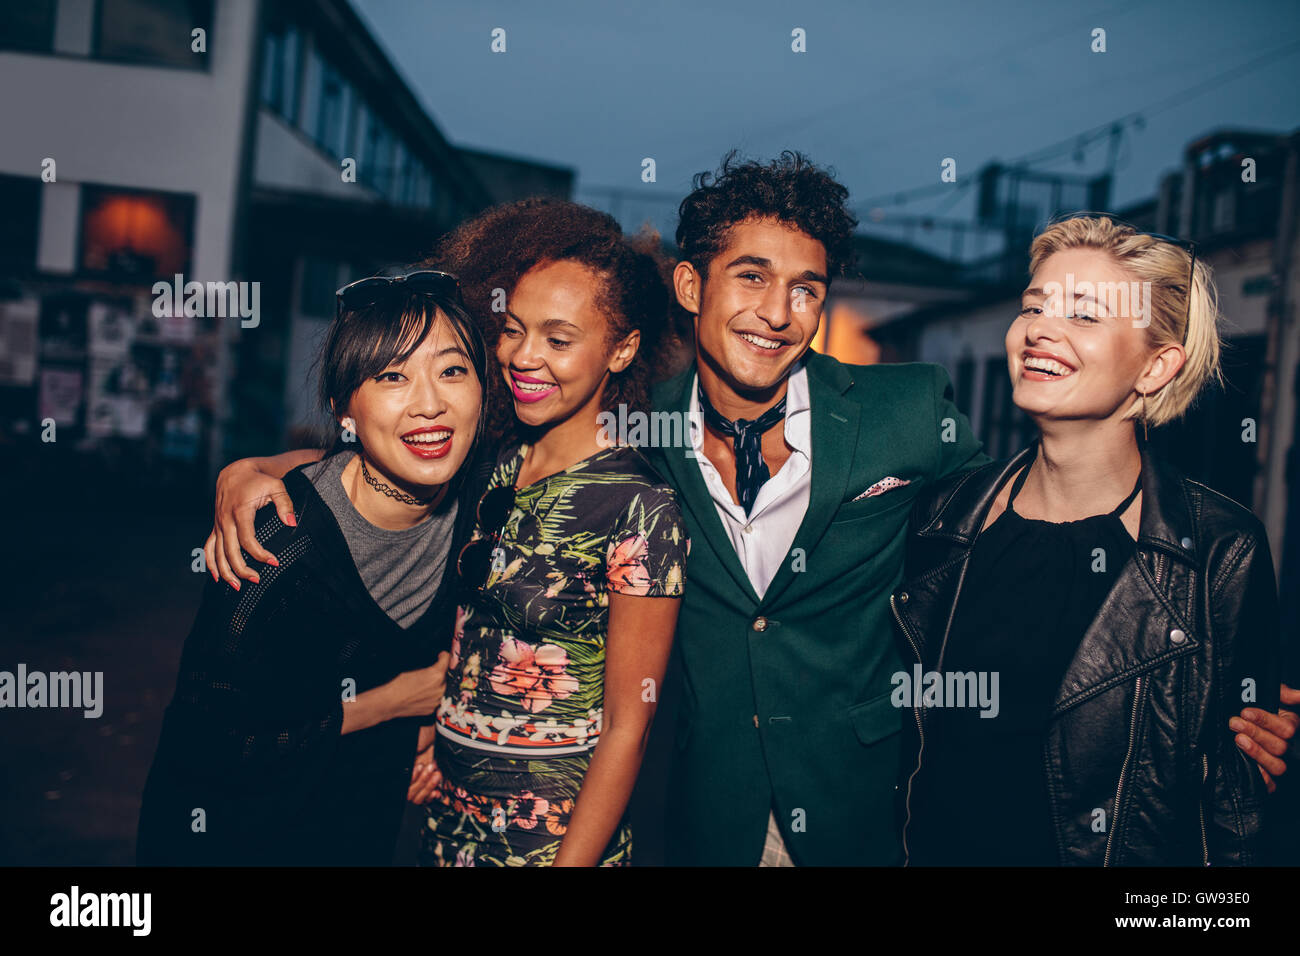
786,700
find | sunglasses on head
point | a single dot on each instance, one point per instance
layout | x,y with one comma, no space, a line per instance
475,560
368,291
1185,244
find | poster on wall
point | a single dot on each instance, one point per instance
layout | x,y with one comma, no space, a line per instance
117,398
63,327
111,330
18,342
60,395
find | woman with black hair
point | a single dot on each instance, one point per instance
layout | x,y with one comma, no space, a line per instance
296,719
570,587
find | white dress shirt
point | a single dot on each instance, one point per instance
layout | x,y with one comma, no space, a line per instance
763,538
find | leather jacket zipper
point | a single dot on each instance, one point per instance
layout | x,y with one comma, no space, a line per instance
1119,788
920,730
1205,776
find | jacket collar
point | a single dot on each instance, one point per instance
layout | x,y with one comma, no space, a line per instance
1166,523
835,431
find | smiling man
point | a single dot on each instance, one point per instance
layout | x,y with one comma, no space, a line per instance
797,499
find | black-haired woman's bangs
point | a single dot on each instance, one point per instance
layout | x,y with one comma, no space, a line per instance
396,336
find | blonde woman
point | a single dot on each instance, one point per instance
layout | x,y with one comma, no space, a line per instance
1118,611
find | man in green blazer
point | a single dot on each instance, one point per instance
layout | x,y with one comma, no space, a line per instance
787,746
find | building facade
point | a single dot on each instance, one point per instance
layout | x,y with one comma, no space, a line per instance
267,148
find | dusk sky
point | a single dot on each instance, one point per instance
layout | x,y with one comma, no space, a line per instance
882,95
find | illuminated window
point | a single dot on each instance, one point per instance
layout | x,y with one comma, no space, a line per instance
131,235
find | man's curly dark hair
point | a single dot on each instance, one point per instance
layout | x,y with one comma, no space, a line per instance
790,189
495,249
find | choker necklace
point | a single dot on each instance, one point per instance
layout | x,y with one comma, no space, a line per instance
392,492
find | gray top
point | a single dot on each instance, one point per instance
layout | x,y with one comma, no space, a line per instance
401,569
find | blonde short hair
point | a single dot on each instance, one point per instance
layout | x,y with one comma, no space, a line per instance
1165,266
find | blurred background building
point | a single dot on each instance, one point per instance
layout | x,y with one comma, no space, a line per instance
224,141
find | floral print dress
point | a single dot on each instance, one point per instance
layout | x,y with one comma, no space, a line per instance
525,686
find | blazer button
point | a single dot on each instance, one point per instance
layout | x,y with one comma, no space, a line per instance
1176,636
760,624
902,596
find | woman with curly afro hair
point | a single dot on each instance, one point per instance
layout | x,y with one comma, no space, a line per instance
572,579
492,252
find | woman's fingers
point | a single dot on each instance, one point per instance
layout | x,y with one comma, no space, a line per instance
424,781
1271,731
1290,696
223,566
234,558
284,508
1246,740
1268,780
246,531
210,554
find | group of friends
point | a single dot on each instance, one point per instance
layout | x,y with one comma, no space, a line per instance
469,601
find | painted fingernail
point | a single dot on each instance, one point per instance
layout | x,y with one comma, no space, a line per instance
235,585
272,562
293,520
256,579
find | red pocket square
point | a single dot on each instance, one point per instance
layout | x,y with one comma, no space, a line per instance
883,485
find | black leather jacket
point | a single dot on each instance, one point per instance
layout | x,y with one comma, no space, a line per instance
1141,765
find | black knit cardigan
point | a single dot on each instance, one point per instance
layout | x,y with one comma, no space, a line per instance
251,768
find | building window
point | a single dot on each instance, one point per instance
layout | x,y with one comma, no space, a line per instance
402,160
20,198
1224,215
327,128
281,55
377,171
28,26
156,32
356,115
135,236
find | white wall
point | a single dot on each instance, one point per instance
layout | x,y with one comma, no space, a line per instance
138,126
286,159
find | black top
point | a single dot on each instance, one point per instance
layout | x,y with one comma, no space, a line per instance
1032,589
252,736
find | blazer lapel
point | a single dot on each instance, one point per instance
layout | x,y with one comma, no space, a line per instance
835,430
683,473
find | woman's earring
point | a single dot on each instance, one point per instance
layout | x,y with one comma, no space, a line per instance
1145,436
